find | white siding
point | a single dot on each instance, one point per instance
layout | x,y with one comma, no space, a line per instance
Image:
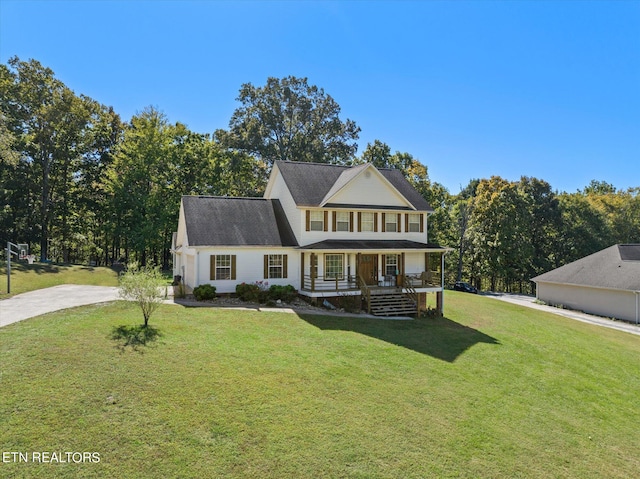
602,302
369,188
310,237
249,267
414,263
277,189
189,272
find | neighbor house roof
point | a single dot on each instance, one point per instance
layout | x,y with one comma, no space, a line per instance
225,221
616,267
311,183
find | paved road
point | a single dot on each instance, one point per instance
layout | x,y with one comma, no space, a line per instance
528,301
35,303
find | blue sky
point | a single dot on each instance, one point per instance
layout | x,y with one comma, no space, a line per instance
471,88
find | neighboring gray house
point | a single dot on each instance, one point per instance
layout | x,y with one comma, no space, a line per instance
328,230
606,283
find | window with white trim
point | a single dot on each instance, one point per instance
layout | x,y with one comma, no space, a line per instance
367,221
316,220
276,266
342,221
391,223
223,266
414,223
391,266
334,266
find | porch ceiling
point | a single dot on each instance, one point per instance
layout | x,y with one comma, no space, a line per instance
337,244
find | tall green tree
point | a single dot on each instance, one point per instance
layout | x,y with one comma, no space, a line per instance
498,228
584,227
137,183
459,213
544,224
11,209
95,211
288,119
626,223
50,124
377,153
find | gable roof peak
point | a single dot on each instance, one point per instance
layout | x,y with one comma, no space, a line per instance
354,172
312,184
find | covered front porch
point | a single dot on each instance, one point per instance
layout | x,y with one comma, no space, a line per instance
341,268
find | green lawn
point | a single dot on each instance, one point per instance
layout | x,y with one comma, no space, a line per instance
493,390
25,277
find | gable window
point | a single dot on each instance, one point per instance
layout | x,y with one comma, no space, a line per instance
316,221
223,266
342,221
334,266
275,266
367,221
414,223
391,223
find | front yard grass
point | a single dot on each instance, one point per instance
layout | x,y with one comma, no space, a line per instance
30,277
493,390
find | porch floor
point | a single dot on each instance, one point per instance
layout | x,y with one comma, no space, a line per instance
374,290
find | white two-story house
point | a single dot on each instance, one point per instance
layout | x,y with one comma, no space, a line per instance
327,230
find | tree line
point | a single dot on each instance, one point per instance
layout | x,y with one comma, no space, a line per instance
79,184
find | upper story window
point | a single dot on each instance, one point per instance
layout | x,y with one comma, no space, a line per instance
367,221
342,221
390,222
316,220
414,223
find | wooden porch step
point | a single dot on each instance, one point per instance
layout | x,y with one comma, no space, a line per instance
392,304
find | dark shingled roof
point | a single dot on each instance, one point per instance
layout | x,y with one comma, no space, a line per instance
371,245
224,221
616,267
309,183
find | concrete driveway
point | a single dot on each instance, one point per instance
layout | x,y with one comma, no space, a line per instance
35,303
528,301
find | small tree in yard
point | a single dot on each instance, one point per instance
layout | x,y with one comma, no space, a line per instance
144,286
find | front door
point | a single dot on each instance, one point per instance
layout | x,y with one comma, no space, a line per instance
368,268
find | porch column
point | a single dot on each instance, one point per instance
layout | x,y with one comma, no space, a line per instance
196,281
301,270
402,270
441,293
313,270
426,269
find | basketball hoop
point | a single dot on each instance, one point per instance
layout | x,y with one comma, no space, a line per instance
22,252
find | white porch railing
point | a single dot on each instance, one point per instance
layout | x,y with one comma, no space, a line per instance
329,284
426,279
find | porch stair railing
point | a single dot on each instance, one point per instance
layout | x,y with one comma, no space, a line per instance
365,291
409,289
389,301
391,304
